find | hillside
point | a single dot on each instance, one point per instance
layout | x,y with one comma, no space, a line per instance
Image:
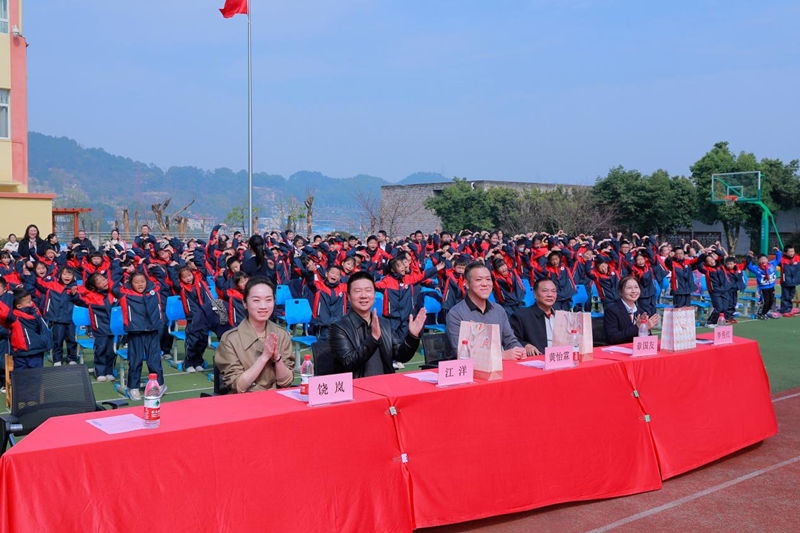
92,177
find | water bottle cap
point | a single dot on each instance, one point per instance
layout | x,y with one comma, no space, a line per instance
574,331
307,357
464,342
153,376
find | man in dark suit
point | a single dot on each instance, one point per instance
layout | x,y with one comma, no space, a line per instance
533,326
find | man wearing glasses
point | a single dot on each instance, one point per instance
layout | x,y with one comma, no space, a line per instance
533,326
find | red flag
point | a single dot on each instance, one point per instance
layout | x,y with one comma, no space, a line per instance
234,7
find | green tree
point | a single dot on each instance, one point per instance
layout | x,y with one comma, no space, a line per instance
655,203
236,218
461,207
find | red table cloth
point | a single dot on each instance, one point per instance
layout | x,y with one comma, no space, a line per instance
533,439
703,404
234,463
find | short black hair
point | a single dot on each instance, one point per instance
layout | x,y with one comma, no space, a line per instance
382,232
357,276
474,265
461,260
788,247
258,280
498,262
372,238
20,294
540,281
337,267
730,259
238,277
231,260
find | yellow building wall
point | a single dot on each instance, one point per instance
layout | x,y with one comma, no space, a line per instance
17,213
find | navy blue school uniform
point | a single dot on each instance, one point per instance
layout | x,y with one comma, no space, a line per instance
719,286
454,289
193,296
562,277
236,308
143,319
329,305
647,282
790,279
57,311
30,336
736,283
6,300
100,305
508,291
682,282
398,298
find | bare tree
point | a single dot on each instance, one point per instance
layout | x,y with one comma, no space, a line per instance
309,203
395,211
163,219
370,209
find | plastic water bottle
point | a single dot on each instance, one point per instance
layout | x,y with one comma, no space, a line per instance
152,402
576,346
721,320
463,350
644,331
306,373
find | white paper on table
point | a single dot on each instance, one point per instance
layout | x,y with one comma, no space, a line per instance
618,349
426,376
294,394
118,424
704,341
533,364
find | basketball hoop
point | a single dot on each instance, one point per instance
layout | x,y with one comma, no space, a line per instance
730,200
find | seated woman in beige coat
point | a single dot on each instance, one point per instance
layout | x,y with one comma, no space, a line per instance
256,355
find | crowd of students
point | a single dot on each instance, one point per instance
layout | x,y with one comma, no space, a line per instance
40,283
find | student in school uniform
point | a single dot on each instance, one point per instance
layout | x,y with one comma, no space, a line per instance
682,281
717,283
30,336
736,283
790,279
57,309
766,273
188,283
96,296
143,319
329,302
606,280
508,289
642,270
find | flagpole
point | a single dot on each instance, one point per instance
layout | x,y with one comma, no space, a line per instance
249,125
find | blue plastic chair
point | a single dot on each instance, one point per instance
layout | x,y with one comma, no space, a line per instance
527,284
118,330
530,299
299,312
282,294
174,313
491,297
378,305
82,319
433,306
580,297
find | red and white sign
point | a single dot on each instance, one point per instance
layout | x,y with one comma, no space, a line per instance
643,346
558,357
723,335
456,372
323,390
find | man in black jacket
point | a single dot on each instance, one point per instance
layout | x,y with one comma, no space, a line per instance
362,342
533,326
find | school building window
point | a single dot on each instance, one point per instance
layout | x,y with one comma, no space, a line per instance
3,16
5,124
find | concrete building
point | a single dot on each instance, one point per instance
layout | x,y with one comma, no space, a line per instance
402,211
18,208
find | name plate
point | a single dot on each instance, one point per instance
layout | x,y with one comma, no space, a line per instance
324,390
455,372
723,335
643,346
558,357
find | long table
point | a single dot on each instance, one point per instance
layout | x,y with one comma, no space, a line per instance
403,455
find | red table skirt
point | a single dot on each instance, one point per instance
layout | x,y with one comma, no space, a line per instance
263,462
533,439
703,404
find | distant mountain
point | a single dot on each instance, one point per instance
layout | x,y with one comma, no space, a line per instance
92,177
423,177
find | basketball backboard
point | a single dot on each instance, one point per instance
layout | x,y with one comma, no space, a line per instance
744,186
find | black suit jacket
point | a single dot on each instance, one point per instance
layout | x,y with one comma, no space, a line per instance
529,326
352,345
618,325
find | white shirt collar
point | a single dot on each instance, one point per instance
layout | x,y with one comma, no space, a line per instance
631,310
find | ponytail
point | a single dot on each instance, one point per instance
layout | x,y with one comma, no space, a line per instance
256,244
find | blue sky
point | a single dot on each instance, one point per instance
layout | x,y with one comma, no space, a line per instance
556,91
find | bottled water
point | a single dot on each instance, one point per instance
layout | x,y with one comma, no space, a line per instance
152,402
306,372
644,331
576,346
463,350
721,320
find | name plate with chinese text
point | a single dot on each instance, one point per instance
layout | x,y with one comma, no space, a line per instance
455,372
643,346
323,390
558,357
723,335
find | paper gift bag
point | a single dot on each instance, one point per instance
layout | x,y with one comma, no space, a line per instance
485,349
678,332
565,323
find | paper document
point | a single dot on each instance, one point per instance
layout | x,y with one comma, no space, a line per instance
618,349
294,394
118,424
533,364
427,376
